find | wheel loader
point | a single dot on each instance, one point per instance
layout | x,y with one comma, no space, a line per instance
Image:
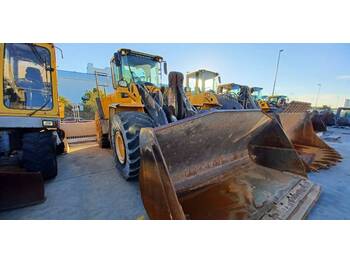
29,121
294,117
296,123
205,91
197,165
201,87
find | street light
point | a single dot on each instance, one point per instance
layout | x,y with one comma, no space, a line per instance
278,62
318,93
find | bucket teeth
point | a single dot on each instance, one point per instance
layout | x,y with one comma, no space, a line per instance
315,152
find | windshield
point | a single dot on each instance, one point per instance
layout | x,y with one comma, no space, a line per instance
345,113
140,69
276,99
27,77
203,83
257,93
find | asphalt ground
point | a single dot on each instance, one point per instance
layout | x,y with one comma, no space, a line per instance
89,187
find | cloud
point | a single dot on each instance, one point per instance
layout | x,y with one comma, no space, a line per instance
343,77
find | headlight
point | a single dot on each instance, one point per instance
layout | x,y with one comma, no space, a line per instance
48,123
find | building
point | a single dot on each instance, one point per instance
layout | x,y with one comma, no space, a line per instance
347,103
73,85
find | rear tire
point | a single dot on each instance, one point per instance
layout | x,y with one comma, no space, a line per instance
60,147
39,153
102,139
125,129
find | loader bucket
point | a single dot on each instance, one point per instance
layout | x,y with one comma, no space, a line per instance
223,165
20,188
315,153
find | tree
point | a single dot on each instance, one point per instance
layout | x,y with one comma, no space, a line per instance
89,103
68,107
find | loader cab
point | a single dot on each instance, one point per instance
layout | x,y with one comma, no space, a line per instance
28,80
278,100
130,66
202,81
230,88
257,93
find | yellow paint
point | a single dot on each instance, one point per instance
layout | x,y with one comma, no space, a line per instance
203,101
124,98
54,112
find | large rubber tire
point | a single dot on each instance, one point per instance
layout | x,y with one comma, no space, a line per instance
60,147
228,102
39,153
127,125
102,139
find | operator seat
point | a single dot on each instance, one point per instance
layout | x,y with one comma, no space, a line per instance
34,82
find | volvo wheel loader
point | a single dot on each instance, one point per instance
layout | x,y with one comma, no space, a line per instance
205,91
294,117
29,121
201,87
198,165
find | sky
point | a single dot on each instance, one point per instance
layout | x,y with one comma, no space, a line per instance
302,66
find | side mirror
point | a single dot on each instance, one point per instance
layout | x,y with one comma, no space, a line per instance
165,67
122,83
219,79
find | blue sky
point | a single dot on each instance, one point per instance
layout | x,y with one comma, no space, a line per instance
302,66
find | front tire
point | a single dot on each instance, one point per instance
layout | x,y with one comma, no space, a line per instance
125,132
39,153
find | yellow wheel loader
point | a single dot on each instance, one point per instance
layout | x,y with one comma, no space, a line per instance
198,165
205,91
29,121
293,117
201,88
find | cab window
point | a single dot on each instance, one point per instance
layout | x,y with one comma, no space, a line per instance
27,77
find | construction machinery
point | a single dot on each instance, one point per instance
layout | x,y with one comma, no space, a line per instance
342,117
273,103
29,121
205,91
294,118
201,86
198,165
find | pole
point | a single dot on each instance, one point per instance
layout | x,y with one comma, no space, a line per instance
318,93
278,62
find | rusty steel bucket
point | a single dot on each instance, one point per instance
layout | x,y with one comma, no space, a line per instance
20,188
315,153
223,165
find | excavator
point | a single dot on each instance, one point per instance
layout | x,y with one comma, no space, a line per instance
232,164
29,122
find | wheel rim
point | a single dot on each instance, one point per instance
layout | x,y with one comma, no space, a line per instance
119,147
